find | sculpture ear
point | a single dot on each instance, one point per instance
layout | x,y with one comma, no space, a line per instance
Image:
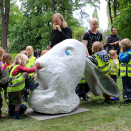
99,82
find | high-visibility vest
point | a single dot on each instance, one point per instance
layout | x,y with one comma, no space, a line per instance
8,66
125,68
114,69
28,66
83,80
16,83
31,62
105,67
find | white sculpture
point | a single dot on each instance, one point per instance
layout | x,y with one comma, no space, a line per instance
64,67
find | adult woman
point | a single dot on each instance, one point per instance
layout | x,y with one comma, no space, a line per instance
60,30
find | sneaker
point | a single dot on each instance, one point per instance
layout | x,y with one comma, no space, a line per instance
8,111
2,116
85,98
105,101
88,96
126,102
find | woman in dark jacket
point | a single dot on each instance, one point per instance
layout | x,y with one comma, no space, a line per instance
60,30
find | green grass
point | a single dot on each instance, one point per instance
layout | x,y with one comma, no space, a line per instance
101,117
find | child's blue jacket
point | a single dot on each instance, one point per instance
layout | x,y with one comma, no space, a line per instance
125,58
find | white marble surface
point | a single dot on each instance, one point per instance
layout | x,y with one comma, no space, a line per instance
61,74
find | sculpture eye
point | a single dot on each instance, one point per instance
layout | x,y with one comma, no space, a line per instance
68,53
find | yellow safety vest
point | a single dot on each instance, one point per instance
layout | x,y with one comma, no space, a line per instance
83,80
16,83
114,69
7,67
31,62
105,67
125,68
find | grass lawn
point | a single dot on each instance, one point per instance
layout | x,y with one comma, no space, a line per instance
101,117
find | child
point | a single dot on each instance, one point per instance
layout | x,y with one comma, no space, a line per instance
26,89
101,59
1,99
82,88
2,51
114,62
125,69
31,58
7,59
17,78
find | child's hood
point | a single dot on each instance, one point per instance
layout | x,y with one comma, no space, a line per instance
103,55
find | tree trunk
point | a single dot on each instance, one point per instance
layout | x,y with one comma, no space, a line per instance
114,9
109,7
5,21
53,5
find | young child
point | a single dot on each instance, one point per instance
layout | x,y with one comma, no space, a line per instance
2,51
82,88
1,99
125,69
7,59
17,78
31,58
26,89
114,62
101,59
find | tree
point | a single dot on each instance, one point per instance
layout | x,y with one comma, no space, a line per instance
112,10
122,21
5,20
37,27
95,15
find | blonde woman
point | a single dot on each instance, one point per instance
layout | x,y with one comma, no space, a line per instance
60,30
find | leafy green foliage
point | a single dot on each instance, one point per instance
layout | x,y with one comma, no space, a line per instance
36,25
122,21
105,34
79,31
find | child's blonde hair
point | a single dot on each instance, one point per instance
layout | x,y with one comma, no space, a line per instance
2,51
59,16
20,59
43,52
30,47
97,46
113,52
7,56
125,44
24,52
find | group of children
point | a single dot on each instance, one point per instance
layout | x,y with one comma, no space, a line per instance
20,80
22,73
109,64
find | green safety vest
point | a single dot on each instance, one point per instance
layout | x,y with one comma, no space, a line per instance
83,80
105,67
114,69
16,83
31,62
125,68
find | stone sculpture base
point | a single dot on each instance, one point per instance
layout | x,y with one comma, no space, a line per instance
40,116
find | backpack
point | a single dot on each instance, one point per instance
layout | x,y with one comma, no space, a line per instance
4,77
